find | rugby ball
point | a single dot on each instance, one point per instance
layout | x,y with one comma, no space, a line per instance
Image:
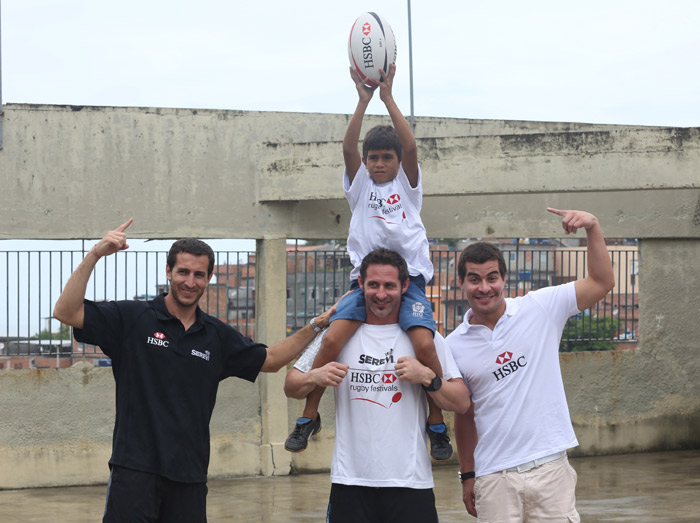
372,46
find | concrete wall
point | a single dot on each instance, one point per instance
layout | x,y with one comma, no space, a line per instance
74,172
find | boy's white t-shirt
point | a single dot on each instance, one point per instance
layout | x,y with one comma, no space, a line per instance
387,215
380,435
514,375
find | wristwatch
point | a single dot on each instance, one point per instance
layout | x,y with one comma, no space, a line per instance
434,385
464,476
315,327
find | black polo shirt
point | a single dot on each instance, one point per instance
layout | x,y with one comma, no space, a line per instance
166,381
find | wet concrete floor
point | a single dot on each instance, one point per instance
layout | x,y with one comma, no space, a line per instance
655,487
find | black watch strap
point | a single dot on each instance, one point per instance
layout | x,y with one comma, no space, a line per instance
435,384
464,476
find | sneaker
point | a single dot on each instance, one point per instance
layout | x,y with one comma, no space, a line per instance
440,447
303,430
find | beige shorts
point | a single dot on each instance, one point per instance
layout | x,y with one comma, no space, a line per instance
544,493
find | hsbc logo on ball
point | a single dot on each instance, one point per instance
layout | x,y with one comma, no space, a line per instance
508,365
366,28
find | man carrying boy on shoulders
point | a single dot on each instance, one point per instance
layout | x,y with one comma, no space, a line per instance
383,188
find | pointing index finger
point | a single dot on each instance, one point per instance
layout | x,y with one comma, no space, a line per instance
125,225
556,211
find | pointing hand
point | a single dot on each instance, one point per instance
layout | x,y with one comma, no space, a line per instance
573,220
113,241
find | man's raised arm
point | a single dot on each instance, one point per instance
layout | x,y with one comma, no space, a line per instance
601,277
69,307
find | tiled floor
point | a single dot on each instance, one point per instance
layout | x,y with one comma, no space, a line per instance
640,488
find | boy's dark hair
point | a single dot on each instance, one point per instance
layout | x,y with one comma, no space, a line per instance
381,137
384,256
480,252
190,246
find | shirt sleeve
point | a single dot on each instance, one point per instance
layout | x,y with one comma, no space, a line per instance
102,326
415,194
243,357
559,301
450,370
354,190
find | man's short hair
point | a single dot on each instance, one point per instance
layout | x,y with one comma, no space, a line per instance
383,256
480,252
381,137
193,247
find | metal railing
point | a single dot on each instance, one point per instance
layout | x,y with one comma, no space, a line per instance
31,281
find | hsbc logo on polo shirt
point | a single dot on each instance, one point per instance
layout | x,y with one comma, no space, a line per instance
393,199
504,358
388,378
158,339
508,365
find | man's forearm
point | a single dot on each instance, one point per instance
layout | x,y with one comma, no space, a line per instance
466,439
298,384
599,264
69,308
452,396
279,354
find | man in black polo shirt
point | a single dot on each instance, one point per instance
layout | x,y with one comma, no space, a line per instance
168,358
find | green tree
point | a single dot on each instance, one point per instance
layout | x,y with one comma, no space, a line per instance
588,334
63,333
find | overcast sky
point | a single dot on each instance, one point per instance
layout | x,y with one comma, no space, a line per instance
600,61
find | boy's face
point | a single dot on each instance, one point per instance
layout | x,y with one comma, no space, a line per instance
382,164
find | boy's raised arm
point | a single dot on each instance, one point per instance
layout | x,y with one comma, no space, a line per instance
409,149
351,153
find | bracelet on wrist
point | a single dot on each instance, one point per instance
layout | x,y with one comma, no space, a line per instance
464,476
315,327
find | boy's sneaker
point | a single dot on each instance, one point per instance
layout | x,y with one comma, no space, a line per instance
303,430
440,447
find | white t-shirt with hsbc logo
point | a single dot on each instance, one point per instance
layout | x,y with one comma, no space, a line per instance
380,435
387,215
514,376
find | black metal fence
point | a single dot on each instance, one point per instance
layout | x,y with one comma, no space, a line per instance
31,281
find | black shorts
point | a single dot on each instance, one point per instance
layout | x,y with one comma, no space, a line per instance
351,503
142,497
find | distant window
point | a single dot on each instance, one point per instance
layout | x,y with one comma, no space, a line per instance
16,365
2,365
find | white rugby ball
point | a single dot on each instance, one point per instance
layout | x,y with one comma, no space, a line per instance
372,46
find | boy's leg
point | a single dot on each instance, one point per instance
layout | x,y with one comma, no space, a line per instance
424,347
335,338
308,424
339,333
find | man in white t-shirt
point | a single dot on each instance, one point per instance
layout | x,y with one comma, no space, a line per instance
512,443
381,469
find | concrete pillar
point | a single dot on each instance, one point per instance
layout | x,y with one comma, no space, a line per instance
271,313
